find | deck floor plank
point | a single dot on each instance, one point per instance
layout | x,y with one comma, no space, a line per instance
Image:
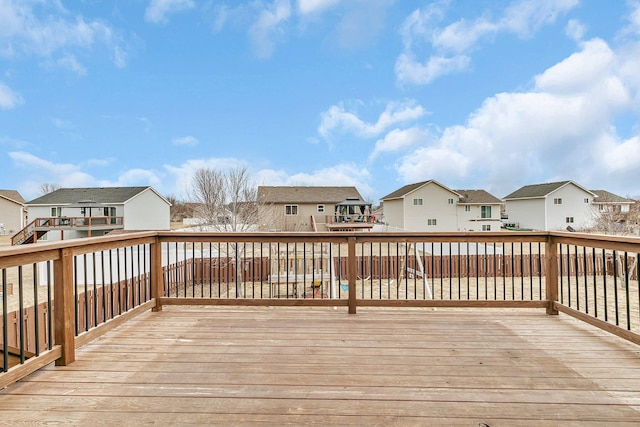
301,366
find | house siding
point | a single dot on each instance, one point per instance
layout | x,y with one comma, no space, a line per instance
146,211
527,213
435,206
472,220
11,216
573,205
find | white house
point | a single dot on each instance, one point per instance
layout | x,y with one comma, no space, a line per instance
431,206
551,206
13,212
86,212
611,203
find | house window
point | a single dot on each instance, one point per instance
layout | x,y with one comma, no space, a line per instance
586,200
110,211
83,211
486,227
417,202
431,221
485,211
569,219
467,208
557,201
291,209
450,201
56,211
320,208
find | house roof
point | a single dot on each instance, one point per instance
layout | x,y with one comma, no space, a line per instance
12,195
477,196
407,189
104,195
306,194
540,190
607,197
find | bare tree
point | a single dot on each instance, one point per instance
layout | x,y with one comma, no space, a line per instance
226,199
47,188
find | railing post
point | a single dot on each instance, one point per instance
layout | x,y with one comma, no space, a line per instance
64,301
351,241
157,290
551,277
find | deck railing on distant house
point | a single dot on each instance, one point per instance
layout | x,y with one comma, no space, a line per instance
40,226
69,292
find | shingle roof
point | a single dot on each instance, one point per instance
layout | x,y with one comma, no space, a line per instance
65,196
403,191
607,197
305,194
536,190
12,195
477,196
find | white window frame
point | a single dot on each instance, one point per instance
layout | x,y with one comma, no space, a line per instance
450,201
557,201
432,221
483,211
467,208
569,220
418,202
486,227
320,208
56,211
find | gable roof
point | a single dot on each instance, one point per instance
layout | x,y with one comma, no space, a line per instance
607,197
105,195
12,195
536,191
477,196
407,189
306,194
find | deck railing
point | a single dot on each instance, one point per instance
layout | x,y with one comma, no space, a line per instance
58,296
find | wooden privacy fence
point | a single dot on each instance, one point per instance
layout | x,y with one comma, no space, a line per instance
380,267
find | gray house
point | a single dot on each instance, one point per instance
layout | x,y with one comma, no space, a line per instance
86,212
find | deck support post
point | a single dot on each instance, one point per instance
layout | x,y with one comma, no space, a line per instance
64,302
551,276
157,290
351,241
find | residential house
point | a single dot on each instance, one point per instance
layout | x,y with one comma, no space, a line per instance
13,213
304,208
614,214
562,205
86,212
431,206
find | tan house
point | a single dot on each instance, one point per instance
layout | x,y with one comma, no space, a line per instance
13,213
308,208
431,206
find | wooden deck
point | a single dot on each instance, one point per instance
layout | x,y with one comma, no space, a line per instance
320,366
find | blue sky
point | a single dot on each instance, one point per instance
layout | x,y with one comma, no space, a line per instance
477,94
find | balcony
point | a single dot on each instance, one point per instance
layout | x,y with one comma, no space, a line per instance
323,328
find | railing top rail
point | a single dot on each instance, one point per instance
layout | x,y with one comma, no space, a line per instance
604,241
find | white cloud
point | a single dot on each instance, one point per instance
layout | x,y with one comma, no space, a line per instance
158,10
186,140
9,99
409,70
449,46
313,6
70,63
269,26
525,17
562,129
575,30
337,119
399,139
46,28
